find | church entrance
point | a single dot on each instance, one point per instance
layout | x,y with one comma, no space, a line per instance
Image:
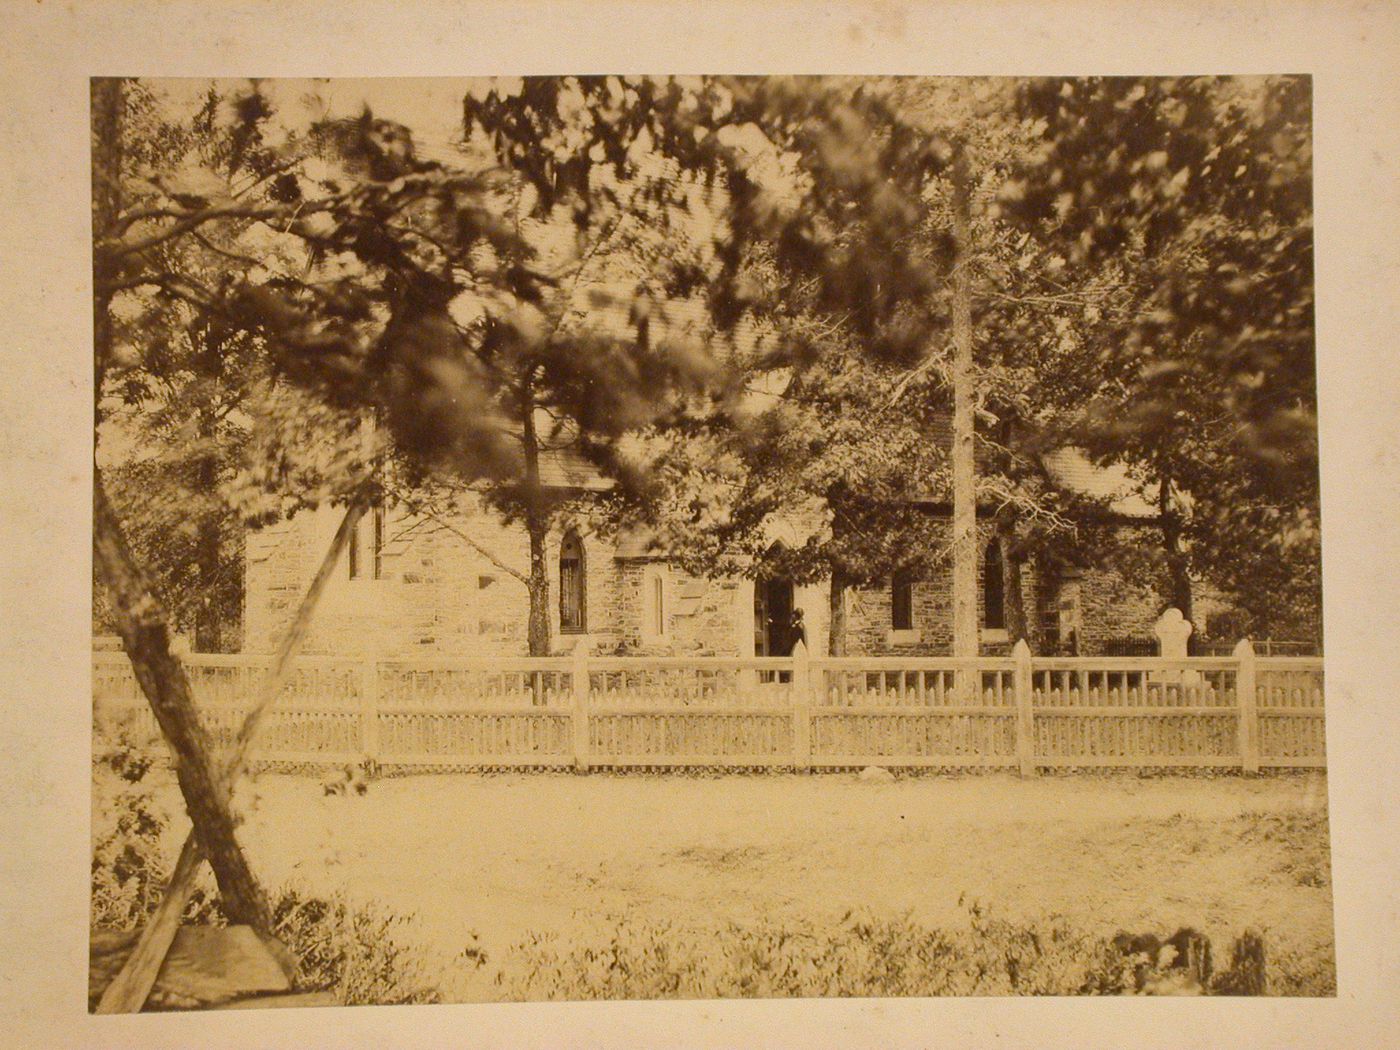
772,617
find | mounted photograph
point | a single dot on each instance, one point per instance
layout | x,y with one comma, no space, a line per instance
705,537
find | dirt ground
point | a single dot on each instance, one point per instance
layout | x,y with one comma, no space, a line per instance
484,859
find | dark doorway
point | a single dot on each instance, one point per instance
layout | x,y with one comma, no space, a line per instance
772,617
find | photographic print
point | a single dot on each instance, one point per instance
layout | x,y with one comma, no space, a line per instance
705,537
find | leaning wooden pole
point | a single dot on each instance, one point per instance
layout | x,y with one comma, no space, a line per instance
132,986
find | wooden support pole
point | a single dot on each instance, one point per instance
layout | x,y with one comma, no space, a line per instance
1025,712
1247,701
578,672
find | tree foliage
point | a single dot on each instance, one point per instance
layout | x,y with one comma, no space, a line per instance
1186,204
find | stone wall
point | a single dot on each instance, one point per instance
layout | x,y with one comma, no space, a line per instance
438,595
869,613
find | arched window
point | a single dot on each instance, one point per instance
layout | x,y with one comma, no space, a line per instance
902,601
993,591
373,524
573,599
654,601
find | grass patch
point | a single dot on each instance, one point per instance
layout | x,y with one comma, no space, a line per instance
863,956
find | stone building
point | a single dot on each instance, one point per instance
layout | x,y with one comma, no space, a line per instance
417,587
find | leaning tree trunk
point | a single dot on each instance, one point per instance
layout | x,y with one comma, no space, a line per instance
964,467
140,619
129,990
145,637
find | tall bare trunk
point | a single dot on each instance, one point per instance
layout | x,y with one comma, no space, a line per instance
964,466
1013,599
536,526
836,630
538,586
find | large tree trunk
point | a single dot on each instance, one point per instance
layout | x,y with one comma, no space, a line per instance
140,619
964,467
538,586
536,526
836,604
1013,598
128,992
106,100
142,625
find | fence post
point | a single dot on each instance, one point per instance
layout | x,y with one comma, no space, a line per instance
369,710
1247,700
801,707
1025,712
578,673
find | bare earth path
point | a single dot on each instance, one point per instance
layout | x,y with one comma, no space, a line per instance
498,856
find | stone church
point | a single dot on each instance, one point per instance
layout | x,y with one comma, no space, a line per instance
412,587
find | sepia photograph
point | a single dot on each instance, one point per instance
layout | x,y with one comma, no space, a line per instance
653,537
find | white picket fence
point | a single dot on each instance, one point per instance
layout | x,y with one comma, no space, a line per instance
1019,712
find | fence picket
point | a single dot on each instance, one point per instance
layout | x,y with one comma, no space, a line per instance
1247,703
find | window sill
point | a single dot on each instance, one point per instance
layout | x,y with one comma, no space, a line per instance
910,637
995,634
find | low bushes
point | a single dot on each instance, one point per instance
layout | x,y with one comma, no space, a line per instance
353,951
868,956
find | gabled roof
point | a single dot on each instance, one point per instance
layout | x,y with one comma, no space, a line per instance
566,468
1073,469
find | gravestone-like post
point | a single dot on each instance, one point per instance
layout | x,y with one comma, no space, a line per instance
801,707
1248,703
1025,712
1172,631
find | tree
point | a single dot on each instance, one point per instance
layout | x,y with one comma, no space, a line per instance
822,446
1189,201
348,279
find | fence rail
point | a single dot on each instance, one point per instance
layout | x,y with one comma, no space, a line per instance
1021,712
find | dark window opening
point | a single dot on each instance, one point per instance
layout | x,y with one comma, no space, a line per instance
572,597
378,540
355,551
902,601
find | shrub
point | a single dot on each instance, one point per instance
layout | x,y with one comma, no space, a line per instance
869,956
863,956
351,950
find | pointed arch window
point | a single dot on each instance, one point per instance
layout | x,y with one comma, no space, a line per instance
993,590
573,598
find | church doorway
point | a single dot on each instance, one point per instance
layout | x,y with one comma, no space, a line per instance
772,617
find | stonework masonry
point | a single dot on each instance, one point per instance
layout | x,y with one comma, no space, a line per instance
436,595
